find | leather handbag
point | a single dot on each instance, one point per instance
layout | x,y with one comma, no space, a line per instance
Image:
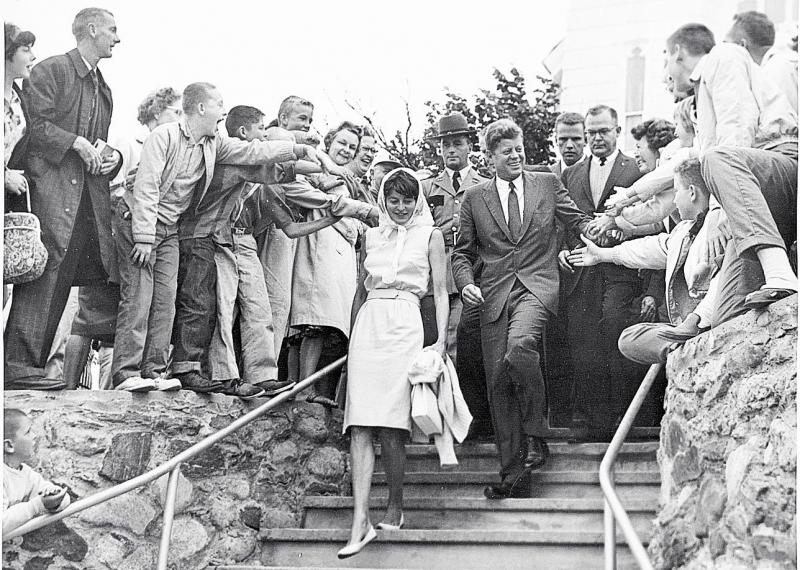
24,254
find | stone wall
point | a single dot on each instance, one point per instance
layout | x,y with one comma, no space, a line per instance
728,447
89,441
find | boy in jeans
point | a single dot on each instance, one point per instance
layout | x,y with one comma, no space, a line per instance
26,494
175,158
219,266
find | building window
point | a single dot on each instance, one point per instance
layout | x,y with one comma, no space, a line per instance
634,94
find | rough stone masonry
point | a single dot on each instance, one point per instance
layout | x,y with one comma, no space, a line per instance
728,451
91,440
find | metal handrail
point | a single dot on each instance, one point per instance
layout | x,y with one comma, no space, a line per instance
613,511
173,468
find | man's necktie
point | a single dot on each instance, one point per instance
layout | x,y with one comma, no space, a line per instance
603,161
456,180
514,218
95,93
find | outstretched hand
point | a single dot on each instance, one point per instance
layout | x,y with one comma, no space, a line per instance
585,256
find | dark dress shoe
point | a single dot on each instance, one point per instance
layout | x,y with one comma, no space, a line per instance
511,487
538,453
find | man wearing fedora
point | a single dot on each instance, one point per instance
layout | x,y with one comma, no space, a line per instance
444,194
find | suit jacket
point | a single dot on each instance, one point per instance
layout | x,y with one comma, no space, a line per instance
532,258
445,204
59,102
576,179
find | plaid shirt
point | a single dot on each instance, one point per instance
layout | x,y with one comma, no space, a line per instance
239,195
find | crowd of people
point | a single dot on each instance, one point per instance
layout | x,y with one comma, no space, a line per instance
228,253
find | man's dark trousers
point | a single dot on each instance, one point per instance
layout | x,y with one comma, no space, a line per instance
514,378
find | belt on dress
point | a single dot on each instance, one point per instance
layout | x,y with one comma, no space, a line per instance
393,294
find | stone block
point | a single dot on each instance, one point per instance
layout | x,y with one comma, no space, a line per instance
710,505
675,439
59,538
278,518
126,511
112,548
141,558
183,497
236,547
188,538
328,463
251,517
128,456
38,563
737,465
686,466
309,422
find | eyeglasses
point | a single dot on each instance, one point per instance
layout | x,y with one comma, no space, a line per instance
369,150
602,132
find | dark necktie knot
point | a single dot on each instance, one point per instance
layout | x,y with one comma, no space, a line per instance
603,161
456,180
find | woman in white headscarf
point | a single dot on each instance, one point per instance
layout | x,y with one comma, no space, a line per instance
398,258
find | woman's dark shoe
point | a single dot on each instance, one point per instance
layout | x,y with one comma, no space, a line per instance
196,382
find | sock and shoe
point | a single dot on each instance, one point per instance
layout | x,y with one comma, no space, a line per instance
779,279
275,387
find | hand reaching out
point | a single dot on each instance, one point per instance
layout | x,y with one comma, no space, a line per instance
648,309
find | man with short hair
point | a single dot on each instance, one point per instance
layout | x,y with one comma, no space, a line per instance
382,164
598,299
175,158
70,108
747,132
444,194
755,32
570,140
508,224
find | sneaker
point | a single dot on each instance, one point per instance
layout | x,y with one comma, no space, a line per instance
196,382
274,387
167,384
242,389
136,384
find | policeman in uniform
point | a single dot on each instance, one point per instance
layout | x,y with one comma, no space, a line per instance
444,194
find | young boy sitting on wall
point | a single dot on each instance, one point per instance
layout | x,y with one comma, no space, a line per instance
26,494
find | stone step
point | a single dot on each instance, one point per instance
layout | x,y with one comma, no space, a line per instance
634,485
441,549
464,514
639,456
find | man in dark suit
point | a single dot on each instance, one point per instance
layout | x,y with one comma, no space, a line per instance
70,109
599,298
445,194
508,223
570,141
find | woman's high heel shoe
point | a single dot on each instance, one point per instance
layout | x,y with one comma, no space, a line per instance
356,547
387,526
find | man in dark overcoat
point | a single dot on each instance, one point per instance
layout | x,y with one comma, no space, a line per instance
70,111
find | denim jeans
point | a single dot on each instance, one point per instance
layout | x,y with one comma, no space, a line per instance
147,302
240,285
196,310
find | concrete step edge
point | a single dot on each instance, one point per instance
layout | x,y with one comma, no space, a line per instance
478,504
433,537
549,477
556,448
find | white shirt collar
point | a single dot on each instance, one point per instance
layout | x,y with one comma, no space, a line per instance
462,173
697,72
609,159
86,63
502,185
